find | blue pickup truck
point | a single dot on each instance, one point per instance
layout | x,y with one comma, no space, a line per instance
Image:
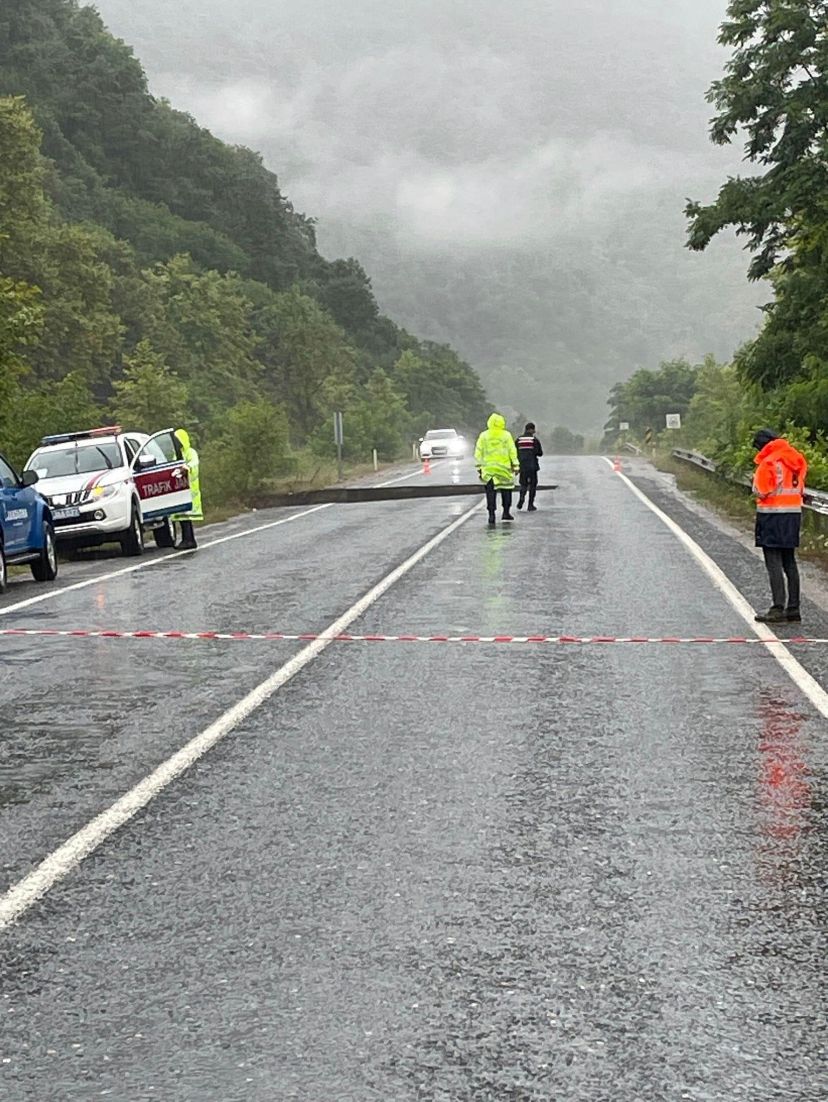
26,531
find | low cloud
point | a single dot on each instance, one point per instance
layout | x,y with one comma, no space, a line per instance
459,144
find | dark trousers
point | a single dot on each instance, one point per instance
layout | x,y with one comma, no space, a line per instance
491,498
188,539
528,484
781,565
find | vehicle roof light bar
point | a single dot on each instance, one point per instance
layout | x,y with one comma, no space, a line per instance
87,434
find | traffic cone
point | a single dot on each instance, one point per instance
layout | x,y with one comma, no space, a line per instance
426,465
616,464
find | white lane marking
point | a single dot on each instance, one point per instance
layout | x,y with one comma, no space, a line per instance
120,573
402,478
22,895
51,593
807,684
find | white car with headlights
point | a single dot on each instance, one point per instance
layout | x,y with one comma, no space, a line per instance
442,442
105,485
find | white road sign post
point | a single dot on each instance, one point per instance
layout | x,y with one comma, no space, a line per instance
339,440
624,426
673,420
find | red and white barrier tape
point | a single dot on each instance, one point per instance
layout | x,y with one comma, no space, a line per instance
306,637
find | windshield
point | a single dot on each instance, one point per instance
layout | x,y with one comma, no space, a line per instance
440,434
84,459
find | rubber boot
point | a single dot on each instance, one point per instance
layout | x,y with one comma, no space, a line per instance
188,540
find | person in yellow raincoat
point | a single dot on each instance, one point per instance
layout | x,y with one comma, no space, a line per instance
496,459
190,457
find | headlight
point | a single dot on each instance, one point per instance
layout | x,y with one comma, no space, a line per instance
101,493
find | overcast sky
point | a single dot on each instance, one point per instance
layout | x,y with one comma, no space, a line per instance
421,131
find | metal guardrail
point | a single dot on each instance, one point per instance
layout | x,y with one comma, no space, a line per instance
815,500
634,448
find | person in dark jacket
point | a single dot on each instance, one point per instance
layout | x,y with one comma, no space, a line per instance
779,486
529,452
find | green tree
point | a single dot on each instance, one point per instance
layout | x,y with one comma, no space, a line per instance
378,420
81,331
774,91
647,397
346,294
251,450
21,322
435,381
23,205
149,396
562,441
33,412
204,329
303,349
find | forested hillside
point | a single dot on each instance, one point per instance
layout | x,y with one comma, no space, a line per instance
152,273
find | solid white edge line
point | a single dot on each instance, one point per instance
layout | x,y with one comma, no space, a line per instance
51,594
54,868
411,474
75,586
807,684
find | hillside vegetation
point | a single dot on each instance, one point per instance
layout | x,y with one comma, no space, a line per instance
155,275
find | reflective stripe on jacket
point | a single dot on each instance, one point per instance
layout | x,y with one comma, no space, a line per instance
529,452
779,481
779,485
495,454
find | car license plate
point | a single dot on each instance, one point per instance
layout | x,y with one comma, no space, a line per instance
65,514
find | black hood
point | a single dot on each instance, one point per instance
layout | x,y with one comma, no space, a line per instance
763,437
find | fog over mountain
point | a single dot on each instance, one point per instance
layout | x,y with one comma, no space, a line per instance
512,176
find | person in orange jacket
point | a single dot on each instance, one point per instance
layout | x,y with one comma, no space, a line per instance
779,486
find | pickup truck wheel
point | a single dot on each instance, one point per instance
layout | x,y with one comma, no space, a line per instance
45,568
165,535
4,574
132,541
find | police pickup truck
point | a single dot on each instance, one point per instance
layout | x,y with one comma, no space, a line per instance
105,485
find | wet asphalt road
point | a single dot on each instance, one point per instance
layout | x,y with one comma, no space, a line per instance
421,871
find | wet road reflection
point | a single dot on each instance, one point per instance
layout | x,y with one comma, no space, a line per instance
432,872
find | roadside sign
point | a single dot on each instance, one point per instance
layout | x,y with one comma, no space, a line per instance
624,426
673,420
648,436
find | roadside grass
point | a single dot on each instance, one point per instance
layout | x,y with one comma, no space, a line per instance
736,504
310,473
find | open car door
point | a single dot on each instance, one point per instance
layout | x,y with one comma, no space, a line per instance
161,478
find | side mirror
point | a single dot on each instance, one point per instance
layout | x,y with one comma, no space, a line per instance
29,478
145,461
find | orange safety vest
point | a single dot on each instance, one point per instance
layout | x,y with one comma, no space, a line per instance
779,482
